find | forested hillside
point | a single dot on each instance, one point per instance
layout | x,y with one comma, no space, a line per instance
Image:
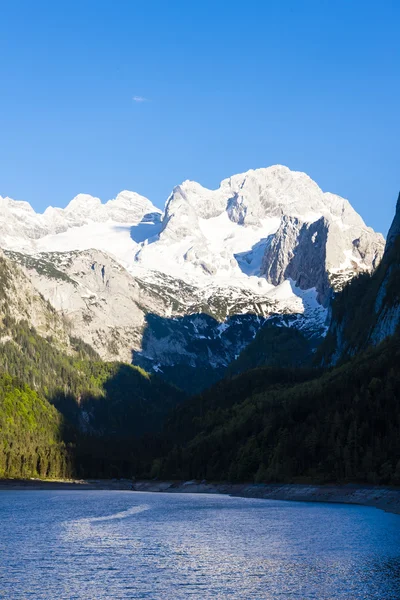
275,345
31,434
56,409
343,425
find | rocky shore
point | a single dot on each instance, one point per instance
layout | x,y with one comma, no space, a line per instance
384,498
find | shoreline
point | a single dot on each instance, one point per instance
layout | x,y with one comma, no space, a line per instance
383,498
65,484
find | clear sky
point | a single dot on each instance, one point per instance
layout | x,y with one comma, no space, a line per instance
99,96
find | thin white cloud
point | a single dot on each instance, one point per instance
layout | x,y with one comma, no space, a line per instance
139,99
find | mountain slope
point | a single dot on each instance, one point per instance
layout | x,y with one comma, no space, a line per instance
31,434
368,309
103,303
277,344
20,300
341,426
58,400
338,424
59,411
267,242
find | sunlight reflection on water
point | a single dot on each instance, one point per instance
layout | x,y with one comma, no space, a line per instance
99,545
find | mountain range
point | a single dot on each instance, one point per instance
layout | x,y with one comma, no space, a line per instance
187,289
262,321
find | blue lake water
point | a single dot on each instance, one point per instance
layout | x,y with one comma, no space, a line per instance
97,545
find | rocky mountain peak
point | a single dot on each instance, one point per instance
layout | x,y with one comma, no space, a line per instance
8,204
213,228
250,197
21,228
83,203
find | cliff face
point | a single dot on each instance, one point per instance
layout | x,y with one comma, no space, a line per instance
21,301
321,255
298,252
368,309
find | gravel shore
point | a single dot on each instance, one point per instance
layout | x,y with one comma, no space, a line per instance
384,498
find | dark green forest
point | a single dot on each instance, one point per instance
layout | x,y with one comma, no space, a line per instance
342,425
274,346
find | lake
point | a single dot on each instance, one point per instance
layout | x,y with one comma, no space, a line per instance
97,545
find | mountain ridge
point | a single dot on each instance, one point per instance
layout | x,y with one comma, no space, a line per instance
266,242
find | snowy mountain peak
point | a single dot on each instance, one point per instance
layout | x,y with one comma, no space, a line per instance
262,193
254,225
253,233
83,204
15,205
130,207
126,207
210,270
22,228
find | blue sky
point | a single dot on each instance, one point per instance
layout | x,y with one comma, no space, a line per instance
229,86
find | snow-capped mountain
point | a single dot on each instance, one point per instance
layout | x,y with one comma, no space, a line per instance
268,241
21,228
230,235
255,224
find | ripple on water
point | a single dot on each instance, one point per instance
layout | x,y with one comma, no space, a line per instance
99,545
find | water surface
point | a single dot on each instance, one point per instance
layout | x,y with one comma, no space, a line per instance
98,545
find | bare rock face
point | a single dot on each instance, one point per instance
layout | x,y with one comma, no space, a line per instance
20,300
103,304
311,253
298,252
